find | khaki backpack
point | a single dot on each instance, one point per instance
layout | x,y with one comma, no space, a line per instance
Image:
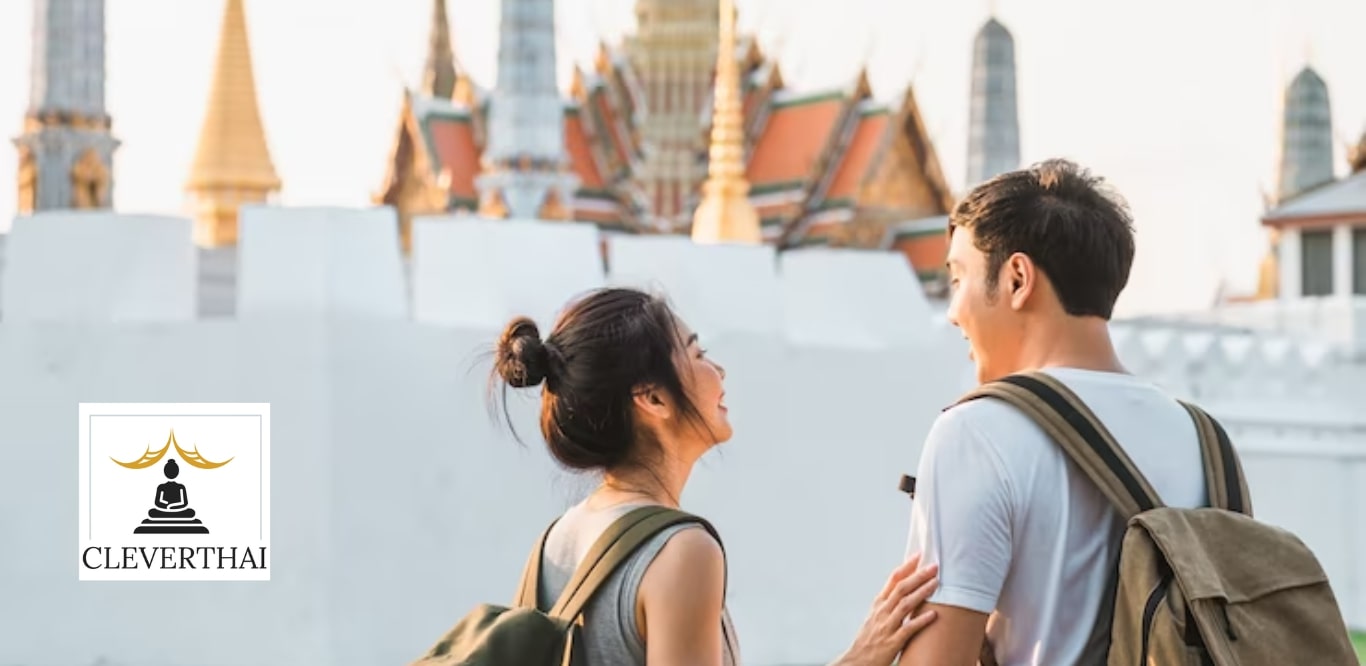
528,635
1193,586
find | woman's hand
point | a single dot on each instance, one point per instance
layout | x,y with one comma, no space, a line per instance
889,626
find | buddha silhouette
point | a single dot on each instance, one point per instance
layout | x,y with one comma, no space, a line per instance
172,513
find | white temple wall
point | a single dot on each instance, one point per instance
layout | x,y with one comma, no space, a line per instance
398,503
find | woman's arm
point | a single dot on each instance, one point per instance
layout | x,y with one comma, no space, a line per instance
679,605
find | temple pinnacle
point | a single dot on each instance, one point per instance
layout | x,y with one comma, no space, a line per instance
725,213
232,165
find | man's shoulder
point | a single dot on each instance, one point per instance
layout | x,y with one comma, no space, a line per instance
984,428
983,417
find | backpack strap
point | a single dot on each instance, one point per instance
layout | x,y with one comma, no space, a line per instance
1224,478
1071,424
613,548
529,588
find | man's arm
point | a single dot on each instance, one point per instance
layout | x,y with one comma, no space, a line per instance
954,638
962,520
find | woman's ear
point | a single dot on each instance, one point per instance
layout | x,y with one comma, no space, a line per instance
650,400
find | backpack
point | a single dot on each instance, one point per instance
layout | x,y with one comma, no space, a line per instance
1207,586
526,634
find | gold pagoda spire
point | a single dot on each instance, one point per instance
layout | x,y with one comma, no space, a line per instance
725,214
232,165
439,75
1357,155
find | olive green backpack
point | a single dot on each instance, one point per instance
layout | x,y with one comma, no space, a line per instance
526,634
1193,587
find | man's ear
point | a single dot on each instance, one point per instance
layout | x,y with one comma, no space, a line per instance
1021,277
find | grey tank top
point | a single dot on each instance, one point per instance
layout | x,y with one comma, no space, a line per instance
610,634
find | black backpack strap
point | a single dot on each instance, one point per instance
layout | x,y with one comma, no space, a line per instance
1070,423
613,548
1224,480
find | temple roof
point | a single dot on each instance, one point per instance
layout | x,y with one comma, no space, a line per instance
926,226
580,153
858,156
1343,198
796,133
822,166
451,142
451,134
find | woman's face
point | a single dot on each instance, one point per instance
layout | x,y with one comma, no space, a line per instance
704,381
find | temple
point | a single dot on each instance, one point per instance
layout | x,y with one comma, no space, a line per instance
674,52
525,166
726,214
1319,249
67,149
828,167
994,126
1306,136
232,164
1315,229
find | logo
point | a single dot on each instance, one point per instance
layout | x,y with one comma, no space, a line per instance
174,492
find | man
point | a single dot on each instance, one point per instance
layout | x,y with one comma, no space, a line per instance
1036,261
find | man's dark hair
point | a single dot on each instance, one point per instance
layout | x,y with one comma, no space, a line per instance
1070,223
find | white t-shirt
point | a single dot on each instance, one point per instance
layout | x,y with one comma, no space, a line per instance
1018,529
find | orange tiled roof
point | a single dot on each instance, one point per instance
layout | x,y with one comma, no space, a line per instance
609,120
453,143
858,155
580,155
793,138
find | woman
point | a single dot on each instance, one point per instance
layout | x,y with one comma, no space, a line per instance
630,394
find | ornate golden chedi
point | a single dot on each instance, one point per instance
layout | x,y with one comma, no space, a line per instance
725,214
232,165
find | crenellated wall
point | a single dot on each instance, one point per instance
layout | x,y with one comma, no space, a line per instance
398,502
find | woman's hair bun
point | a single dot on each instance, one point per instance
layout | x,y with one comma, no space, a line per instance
523,359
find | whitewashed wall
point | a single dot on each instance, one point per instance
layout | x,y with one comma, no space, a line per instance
399,503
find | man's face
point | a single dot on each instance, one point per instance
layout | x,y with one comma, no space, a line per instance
982,312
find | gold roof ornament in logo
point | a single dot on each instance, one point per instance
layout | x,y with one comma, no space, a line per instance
191,458
148,458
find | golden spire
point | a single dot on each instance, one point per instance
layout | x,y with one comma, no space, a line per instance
1356,156
725,214
439,76
232,165
1269,273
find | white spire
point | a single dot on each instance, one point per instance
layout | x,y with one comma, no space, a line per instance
525,161
1307,136
994,129
66,153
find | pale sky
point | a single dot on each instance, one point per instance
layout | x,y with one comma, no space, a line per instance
1176,102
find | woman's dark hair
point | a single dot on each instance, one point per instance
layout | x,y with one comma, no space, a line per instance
605,347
